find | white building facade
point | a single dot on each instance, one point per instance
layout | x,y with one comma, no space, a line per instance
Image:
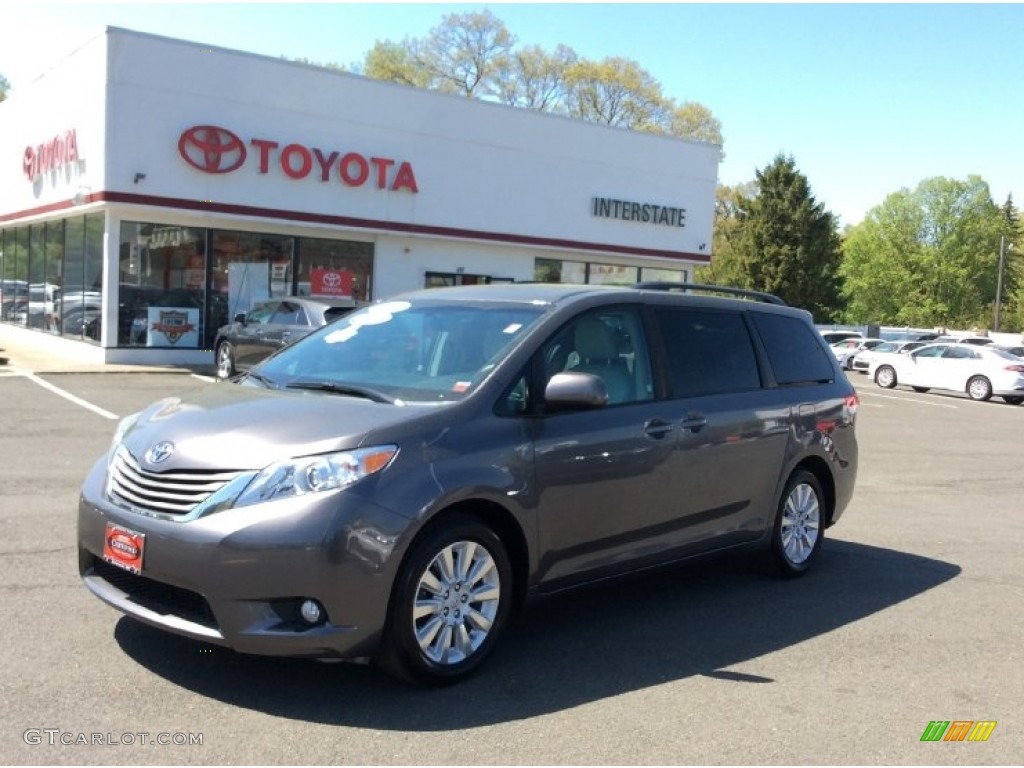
153,188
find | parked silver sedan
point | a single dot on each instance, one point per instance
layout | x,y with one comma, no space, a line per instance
269,326
980,371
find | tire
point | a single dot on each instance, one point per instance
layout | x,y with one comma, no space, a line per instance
885,377
1013,399
225,360
436,633
799,524
921,389
979,388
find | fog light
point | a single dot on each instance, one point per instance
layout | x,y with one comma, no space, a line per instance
310,611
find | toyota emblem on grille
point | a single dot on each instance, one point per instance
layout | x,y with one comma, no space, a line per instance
159,452
211,149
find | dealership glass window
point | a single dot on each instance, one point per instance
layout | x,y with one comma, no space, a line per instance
612,274
161,289
557,271
334,268
650,274
247,267
81,298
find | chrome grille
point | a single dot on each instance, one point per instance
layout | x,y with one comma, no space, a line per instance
163,493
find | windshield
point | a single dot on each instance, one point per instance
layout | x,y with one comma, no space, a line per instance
410,351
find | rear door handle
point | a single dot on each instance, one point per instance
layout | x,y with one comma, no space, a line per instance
694,422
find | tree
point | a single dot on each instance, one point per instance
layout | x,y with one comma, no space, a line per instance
927,257
473,55
616,92
537,79
724,268
787,243
5,86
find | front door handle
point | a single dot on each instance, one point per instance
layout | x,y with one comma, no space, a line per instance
657,428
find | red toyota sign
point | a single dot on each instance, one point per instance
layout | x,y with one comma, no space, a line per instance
212,149
51,155
330,282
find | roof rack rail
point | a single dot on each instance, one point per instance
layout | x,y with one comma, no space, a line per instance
665,285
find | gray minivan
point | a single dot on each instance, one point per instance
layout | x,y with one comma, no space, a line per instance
395,484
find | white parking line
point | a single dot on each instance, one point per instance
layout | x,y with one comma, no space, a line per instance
66,395
907,400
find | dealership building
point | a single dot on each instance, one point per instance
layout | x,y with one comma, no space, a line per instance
153,188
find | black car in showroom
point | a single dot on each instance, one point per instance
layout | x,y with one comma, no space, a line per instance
270,325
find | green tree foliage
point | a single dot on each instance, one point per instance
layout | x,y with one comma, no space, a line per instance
474,55
4,87
467,54
1012,316
725,268
927,257
786,243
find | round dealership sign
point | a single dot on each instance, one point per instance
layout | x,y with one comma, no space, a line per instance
211,149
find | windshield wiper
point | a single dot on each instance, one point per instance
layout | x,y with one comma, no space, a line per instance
266,381
335,388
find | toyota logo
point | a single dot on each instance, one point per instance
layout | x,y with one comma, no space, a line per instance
159,452
211,149
332,279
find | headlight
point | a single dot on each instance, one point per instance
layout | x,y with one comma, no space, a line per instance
315,474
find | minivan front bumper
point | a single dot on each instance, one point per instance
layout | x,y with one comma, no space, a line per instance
237,578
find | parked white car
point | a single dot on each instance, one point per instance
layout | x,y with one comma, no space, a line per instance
980,371
862,360
846,349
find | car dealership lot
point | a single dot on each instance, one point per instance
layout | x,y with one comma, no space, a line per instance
912,615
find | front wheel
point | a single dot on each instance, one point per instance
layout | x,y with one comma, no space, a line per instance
799,524
979,388
921,389
1013,399
451,600
886,377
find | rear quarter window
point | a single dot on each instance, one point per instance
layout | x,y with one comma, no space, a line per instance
708,352
794,350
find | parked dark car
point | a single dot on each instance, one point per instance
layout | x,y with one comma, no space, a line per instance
269,326
395,484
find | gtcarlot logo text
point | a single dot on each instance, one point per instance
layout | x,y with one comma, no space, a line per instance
58,737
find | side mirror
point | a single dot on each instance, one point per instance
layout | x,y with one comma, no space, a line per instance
240,318
576,390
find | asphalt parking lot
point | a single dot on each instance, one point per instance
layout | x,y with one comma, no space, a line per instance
911,616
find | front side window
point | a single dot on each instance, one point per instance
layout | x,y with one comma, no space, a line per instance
930,352
608,343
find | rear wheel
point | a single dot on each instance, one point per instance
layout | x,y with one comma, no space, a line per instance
921,389
1013,399
886,377
799,524
450,603
225,360
979,388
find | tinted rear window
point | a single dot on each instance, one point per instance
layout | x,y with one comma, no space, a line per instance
708,352
794,349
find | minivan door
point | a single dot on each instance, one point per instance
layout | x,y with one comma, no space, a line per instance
600,473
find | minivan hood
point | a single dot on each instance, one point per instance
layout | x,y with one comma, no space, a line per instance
235,427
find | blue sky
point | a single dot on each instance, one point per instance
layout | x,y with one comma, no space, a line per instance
867,98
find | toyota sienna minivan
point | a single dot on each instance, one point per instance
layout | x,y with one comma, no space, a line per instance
395,485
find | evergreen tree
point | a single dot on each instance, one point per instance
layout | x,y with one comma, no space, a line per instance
788,243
